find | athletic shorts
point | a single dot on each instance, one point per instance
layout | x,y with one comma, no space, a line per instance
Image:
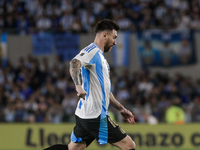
103,130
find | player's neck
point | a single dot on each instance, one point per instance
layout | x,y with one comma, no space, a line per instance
99,43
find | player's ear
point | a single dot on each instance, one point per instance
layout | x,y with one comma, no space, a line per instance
104,34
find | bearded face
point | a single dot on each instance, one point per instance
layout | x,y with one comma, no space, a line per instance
110,41
108,46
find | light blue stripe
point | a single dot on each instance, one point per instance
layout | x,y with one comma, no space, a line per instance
103,129
126,48
86,78
80,104
99,71
74,138
86,81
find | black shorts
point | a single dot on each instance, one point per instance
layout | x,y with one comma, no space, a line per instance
103,130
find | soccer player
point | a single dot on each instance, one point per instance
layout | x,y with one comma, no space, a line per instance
90,73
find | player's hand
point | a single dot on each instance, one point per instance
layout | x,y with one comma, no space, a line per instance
80,91
128,116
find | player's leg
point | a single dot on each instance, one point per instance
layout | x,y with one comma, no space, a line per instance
70,146
80,142
80,137
57,146
77,146
126,144
118,137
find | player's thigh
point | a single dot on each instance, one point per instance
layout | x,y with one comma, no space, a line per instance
77,146
115,132
80,133
125,144
118,137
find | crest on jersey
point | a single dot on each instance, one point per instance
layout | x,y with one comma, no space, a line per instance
82,54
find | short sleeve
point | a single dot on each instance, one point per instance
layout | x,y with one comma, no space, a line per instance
86,55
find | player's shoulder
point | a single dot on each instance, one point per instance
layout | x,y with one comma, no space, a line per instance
91,48
88,52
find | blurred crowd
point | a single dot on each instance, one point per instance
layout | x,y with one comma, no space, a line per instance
42,91
30,16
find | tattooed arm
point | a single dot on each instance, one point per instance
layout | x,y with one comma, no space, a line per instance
75,66
74,69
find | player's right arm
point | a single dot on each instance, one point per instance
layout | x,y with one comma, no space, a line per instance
123,111
75,72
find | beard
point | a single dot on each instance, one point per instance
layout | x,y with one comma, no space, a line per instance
107,48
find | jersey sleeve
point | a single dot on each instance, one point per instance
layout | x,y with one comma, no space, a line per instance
86,56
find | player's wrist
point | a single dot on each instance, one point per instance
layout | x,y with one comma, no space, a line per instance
121,109
79,88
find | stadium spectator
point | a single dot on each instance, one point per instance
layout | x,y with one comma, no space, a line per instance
66,20
44,23
54,87
195,23
175,114
184,21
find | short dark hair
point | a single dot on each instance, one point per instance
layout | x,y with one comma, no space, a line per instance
106,24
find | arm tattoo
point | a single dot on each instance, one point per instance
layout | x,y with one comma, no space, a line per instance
75,66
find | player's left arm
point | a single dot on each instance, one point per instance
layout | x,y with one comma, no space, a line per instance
123,111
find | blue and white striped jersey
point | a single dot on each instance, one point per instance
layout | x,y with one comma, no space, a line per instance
96,82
